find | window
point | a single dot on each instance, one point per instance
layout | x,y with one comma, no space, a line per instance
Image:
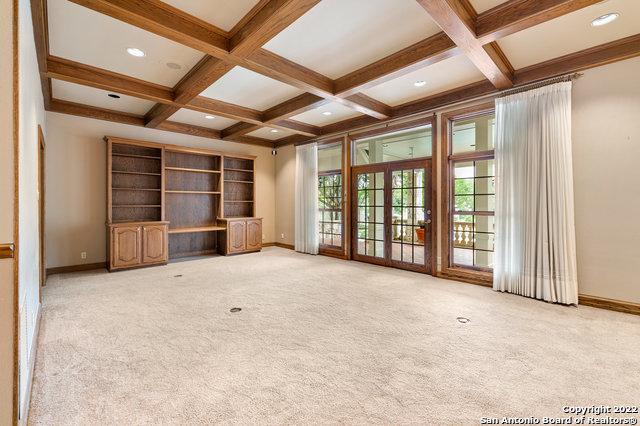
404,144
330,225
469,173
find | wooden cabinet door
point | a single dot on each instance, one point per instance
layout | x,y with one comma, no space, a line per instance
254,234
126,246
237,236
154,243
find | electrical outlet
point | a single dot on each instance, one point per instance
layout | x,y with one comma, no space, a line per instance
264,237
83,255
282,236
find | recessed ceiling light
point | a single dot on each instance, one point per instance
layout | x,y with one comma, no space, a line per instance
420,83
274,130
174,66
113,95
209,117
327,113
604,19
134,51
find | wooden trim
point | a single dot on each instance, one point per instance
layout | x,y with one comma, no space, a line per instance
283,245
610,304
15,22
41,39
447,270
392,128
76,268
41,210
176,148
434,195
470,277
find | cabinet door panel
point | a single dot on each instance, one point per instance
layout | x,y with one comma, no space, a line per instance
127,250
154,244
237,236
254,234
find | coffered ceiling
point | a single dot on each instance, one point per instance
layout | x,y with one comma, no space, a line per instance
273,72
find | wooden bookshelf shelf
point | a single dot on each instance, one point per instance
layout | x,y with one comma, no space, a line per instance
191,192
137,205
238,181
137,189
197,229
135,173
237,170
149,157
183,169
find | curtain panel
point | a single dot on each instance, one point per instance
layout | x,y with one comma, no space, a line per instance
306,202
535,248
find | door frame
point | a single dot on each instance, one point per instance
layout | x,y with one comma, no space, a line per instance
430,203
42,208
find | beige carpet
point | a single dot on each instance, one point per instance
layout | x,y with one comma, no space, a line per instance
320,341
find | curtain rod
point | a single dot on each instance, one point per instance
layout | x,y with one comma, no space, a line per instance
538,84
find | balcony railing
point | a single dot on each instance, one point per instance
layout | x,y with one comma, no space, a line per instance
463,235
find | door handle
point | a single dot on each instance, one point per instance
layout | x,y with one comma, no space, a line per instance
428,220
429,211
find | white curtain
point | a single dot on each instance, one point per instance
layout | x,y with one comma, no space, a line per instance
535,253
306,225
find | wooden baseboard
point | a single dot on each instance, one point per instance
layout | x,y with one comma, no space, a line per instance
477,278
281,245
76,268
610,304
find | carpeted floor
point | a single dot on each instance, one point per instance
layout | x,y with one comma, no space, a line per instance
318,340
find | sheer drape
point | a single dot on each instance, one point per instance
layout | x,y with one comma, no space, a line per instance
535,254
306,226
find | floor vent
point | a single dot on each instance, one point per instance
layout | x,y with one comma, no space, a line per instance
177,276
463,320
235,309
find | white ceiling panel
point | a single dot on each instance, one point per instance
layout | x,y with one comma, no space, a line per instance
267,133
98,98
484,5
338,36
243,87
439,77
85,36
188,116
316,117
224,14
571,33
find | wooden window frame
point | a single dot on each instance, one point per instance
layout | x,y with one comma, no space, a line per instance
469,274
343,252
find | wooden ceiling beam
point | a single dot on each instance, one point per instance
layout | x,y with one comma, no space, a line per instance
516,15
419,55
294,106
80,110
87,75
271,19
41,38
618,50
166,21
457,20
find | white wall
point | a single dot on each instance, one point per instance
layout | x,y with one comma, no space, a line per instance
31,115
606,156
76,168
6,213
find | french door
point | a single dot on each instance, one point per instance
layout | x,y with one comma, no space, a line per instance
391,214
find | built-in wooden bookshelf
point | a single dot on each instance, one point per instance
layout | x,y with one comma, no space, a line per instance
239,187
166,201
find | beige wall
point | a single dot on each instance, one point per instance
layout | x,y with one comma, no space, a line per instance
285,190
606,175
76,183
6,214
606,155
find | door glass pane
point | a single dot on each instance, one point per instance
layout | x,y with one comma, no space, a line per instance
408,221
370,214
